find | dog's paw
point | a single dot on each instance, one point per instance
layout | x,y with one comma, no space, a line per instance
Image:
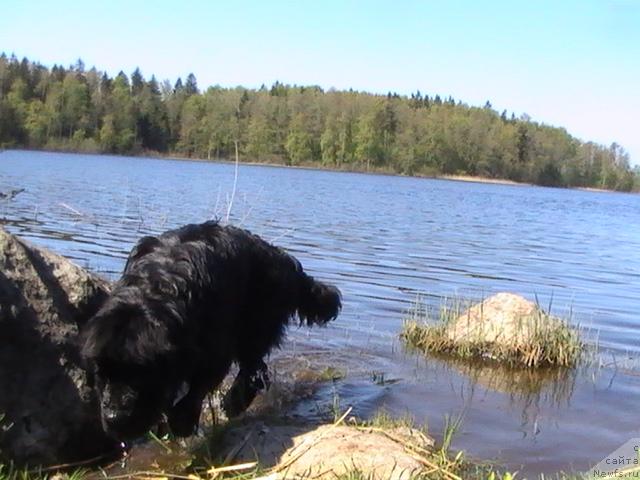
231,406
244,389
182,423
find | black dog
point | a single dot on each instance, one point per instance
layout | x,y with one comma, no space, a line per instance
190,303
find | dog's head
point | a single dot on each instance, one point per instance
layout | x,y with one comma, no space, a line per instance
128,354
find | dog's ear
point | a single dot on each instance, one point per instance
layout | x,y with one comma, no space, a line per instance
144,246
104,331
125,333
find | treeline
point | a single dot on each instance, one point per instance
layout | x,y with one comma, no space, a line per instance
72,108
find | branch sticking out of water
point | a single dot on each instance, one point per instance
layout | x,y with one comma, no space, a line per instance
235,183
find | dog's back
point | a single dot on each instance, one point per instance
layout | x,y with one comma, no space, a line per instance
237,264
236,292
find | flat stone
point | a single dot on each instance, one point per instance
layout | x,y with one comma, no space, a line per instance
327,451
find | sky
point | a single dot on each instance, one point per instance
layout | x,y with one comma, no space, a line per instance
569,63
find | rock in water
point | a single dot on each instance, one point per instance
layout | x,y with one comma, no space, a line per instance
504,318
50,414
508,327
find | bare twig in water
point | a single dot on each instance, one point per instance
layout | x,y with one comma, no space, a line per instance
250,209
80,216
216,207
282,235
72,210
235,183
11,194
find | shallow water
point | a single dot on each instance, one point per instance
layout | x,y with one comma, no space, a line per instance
383,240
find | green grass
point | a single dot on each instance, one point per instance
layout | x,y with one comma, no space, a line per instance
451,427
383,419
550,341
8,472
445,463
331,374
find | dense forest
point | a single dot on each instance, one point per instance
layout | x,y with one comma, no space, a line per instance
75,109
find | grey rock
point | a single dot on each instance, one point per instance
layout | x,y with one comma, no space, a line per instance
50,413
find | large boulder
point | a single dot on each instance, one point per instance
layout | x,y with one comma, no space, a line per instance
49,412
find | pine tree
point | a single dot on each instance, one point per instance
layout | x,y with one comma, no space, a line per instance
137,82
178,87
191,87
523,144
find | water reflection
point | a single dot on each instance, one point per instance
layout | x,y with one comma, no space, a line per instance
526,387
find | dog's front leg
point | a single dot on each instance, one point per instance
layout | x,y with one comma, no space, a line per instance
184,416
251,379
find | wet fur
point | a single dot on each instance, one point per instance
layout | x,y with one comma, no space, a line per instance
190,303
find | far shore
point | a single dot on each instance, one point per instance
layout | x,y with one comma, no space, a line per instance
358,168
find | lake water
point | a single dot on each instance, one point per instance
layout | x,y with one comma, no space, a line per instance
383,240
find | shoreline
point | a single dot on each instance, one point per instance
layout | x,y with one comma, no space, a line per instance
322,168
376,171
488,180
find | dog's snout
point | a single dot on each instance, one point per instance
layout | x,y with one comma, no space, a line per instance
109,415
114,423
111,420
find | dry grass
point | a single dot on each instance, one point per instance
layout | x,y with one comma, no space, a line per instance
437,463
550,341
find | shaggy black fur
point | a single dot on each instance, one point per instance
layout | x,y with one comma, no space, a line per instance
190,303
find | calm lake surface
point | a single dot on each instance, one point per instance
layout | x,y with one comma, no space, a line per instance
383,240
